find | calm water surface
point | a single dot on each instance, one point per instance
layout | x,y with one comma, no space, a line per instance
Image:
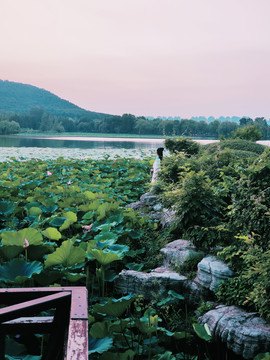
79,142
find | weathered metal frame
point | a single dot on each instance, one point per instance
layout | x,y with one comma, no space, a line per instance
68,328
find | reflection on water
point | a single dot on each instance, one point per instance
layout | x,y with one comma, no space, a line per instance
71,143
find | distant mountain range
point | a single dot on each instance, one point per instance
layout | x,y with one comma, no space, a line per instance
20,98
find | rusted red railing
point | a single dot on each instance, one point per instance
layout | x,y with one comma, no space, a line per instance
68,328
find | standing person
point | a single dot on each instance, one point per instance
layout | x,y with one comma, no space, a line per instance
156,165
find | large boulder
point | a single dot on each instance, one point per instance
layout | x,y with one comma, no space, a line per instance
177,252
245,333
157,283
211,272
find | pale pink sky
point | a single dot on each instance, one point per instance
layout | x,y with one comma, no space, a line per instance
145,57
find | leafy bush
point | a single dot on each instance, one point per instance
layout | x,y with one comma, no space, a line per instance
182,144
235,291
251,285
250,133
197,207
236,144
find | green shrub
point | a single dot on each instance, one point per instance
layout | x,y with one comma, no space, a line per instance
236,144
172,167
204,308
251,285
182,144
235,291
250,133
197,207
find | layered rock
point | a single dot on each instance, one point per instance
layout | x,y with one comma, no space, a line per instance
211,272
157,283
177,252
245,333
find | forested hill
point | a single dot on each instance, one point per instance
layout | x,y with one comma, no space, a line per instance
20,98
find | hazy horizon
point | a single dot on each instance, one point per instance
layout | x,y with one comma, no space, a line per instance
149,58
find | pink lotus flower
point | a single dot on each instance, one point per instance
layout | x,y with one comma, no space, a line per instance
87,228
26,243
49,173
69,182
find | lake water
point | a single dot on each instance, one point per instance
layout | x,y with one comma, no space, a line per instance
75,147
22,147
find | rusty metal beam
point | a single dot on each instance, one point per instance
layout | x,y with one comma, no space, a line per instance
33,307
69,328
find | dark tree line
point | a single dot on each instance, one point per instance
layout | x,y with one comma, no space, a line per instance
38,120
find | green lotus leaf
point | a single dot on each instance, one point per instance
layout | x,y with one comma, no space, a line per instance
88,216
127,355
178,335
102,210
10,252
32,203
102,244
94,205
71,216
134,266
67,255
103,257
175,295
58,221
35,211
18,270
119,249
6,207
104,235
143,324
37,252
99,345
120,325
17,238
202,331
73,277
90,195
100,329
115,219
114,307
48,277
52,233
49,209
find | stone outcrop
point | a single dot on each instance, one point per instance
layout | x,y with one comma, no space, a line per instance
245,333
177,252
211,272
157,283
150,204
